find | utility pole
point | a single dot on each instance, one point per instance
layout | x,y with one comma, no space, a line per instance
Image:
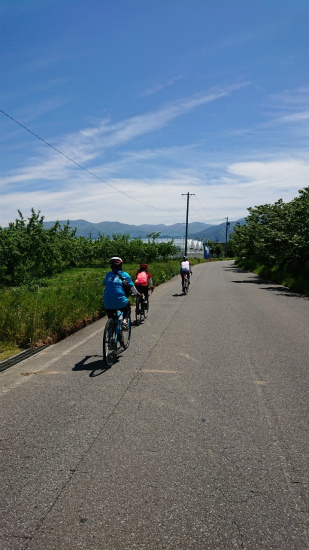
226,230
187,218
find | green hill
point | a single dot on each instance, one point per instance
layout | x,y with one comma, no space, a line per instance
196,230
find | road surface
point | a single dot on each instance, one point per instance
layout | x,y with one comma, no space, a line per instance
196,439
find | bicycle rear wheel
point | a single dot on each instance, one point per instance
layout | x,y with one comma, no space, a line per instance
109,345
146,308
126,335
138,310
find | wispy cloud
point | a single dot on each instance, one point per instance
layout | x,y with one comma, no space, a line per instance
293,97
292,105
125,131
57,187
294,117
90,143
155,88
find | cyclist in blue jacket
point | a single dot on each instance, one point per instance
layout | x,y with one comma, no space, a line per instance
114,296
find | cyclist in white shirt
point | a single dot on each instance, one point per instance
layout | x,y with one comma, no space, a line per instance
185,268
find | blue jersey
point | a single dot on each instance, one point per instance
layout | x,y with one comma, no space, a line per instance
114,296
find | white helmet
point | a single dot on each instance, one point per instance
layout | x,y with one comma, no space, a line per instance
116,262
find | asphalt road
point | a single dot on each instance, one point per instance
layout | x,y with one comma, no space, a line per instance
196,439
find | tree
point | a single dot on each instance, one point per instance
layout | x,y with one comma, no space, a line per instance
275,234
218,250
167,249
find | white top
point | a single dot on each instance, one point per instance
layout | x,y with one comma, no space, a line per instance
185,266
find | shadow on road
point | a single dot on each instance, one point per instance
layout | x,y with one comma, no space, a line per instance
236,269
279,290
96,367
253,281
270,286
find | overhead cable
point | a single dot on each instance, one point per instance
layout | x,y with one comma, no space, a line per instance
82,167
209,215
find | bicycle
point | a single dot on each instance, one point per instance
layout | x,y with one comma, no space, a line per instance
185,284
141,308
115,338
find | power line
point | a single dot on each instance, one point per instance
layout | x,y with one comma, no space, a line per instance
209,215
82,167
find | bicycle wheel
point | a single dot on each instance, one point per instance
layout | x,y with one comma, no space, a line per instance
126,335
146,308
185,287
109,346
138,310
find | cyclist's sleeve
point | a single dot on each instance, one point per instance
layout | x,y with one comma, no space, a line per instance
127,277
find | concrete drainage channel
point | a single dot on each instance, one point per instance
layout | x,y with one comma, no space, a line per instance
19,357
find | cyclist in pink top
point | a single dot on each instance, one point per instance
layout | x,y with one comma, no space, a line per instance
143,277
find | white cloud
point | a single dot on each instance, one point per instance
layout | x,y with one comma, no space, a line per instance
157,177
277,174
293,97
239,185
155,88
90,143
294,117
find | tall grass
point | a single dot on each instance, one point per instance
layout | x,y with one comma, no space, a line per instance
46,311
51,309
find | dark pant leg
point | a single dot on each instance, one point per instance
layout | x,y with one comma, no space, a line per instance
111,313
185,273
142,289
126,310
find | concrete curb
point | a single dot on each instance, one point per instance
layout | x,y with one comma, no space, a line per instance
20,357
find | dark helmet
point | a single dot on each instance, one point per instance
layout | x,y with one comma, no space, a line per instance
116,263
185,258
143,266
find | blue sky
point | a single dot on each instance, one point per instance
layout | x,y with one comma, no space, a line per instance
153,99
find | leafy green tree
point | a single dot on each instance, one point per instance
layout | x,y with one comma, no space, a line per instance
28,251
165,250
23,248
218,250
102,249
153,236
152,248
275,234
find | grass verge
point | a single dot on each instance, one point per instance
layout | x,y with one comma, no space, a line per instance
47,311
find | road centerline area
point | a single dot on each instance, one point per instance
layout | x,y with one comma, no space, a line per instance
193,439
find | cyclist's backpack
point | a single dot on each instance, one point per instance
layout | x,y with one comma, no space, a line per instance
141,278
126,286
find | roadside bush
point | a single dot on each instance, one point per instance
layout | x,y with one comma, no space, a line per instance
275,240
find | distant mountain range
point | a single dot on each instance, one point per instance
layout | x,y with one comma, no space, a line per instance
196,230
